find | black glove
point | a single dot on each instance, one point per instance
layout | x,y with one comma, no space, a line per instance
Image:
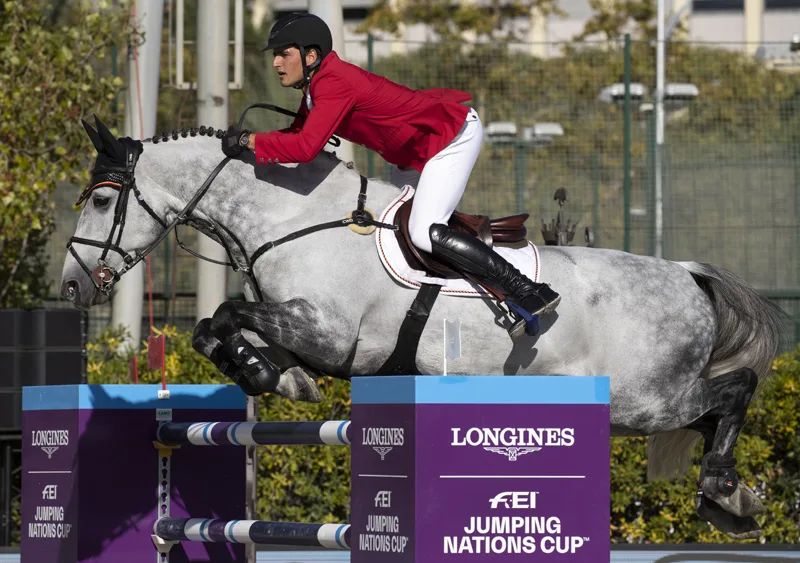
232,142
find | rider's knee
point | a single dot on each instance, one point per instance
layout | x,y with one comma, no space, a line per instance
420,237
424,237
437,232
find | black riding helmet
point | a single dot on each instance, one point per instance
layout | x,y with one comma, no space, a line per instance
302,31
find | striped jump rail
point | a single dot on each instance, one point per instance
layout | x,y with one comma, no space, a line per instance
331,536
330,432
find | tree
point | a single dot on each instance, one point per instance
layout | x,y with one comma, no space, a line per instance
611,18
53,75
451,22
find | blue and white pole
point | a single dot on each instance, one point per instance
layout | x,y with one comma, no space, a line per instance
331,432
331,536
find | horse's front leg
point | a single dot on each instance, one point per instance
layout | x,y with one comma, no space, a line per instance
297,381
291,329
246,366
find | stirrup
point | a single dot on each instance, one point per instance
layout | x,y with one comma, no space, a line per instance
526,322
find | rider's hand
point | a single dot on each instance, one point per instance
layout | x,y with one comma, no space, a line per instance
234,142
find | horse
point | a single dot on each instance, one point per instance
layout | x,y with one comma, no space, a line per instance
685,344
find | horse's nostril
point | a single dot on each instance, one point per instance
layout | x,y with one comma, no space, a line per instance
70,290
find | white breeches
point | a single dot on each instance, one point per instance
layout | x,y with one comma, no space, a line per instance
443,180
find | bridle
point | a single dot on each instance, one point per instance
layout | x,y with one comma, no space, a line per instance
122,178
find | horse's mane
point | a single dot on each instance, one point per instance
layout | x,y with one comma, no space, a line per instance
203,131
207,131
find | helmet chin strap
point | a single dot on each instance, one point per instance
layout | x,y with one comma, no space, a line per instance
306,69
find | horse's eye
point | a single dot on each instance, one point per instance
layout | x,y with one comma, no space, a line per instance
100,201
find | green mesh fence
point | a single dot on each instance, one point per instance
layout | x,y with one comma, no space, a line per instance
730,167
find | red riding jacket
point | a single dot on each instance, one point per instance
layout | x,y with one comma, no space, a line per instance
406,127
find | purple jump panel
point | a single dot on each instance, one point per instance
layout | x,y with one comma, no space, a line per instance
91,473
480,468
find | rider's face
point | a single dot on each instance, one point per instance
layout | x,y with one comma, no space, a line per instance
286,62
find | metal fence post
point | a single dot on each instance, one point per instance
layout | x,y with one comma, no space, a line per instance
519,164
251,478
626,147
796,158
650,164
5,494
596,197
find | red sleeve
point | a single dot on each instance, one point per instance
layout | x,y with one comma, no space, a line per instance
448,95
332,99
297,124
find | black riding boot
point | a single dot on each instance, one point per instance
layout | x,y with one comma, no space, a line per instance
474,256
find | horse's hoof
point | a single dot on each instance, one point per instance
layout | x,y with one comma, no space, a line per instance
743,501
297,385
735,527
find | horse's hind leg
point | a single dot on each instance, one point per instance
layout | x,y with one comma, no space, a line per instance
722,500
293,383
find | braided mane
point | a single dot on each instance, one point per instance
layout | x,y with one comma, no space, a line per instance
204,131
186,132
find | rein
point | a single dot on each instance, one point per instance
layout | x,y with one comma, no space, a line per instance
104,276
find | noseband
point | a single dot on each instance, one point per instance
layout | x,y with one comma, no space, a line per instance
122,178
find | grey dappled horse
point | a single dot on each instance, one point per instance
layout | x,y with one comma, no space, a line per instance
684,344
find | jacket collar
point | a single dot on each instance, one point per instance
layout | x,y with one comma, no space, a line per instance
332,59
327,64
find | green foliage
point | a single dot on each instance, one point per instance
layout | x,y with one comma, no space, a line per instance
106,363
611,19
453,22
306,483
312,483
51,76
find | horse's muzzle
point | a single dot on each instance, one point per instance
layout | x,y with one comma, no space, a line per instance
81,297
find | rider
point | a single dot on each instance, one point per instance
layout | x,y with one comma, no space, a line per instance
430,131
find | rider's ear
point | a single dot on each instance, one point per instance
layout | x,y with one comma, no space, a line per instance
312,54
94,136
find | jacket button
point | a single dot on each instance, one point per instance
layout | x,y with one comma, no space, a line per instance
269,160
276,161
262,159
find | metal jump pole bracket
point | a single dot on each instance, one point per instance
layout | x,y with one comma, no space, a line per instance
164,488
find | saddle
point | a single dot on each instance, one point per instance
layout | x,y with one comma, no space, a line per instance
508,230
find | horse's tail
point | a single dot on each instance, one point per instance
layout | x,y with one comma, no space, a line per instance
748,335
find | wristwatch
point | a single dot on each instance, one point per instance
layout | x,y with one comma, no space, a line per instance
244,140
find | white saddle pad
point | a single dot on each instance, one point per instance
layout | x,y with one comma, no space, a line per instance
525,259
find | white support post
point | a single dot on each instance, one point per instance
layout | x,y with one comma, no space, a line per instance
538,32
213,22
331,12
140,122
753,24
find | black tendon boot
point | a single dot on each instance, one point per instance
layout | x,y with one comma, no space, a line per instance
246,366
474,256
